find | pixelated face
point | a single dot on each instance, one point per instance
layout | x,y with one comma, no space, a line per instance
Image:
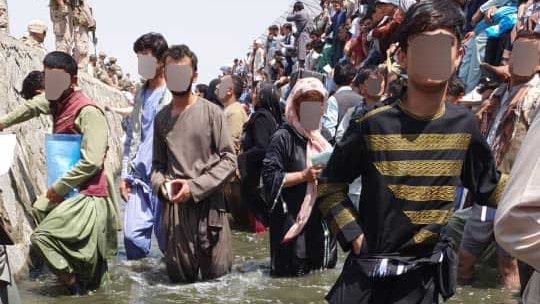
525,59
57,81
432,57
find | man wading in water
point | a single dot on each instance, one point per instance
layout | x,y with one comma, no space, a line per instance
193,158
75,236
411,155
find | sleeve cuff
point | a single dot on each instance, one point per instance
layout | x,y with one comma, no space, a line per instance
496,195
61,188
339,213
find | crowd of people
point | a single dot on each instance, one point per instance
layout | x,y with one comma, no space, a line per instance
390,128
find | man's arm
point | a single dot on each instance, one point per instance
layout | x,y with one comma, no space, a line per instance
516,224
293,17
479,173
159,158
330,119
132,144
94,130
492,3
204,185
31,108
345,165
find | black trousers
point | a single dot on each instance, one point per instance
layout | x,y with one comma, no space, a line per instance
353,286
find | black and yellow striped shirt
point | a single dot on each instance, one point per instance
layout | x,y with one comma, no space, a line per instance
410,169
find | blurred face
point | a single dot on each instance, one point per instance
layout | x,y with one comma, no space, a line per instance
179,75
149,65
225,88
338,5
374,86
311,96
525,60
432,58
40,37
57,83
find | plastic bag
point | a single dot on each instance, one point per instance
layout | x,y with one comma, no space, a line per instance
62,153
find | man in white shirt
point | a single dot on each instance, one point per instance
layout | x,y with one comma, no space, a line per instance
344,99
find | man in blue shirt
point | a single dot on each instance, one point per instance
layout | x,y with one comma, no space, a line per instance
143,207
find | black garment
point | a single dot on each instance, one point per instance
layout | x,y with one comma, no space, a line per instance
354,286
410,169
314,248
470,8
495,48
256,137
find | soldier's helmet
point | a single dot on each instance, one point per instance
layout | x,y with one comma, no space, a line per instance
102,55
37,27
112,60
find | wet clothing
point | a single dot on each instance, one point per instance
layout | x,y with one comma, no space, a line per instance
143,208
410,168
314,248
257,133
195,146
78,235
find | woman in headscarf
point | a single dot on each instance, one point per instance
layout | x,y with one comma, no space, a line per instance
300,239
260,127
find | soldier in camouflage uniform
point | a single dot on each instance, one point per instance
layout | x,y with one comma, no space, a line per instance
37,31
72,20
113,64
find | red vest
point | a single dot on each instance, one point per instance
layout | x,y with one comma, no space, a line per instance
64,115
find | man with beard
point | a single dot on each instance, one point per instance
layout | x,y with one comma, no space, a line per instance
143,207
193,158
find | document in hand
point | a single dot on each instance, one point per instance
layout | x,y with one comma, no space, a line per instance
8,143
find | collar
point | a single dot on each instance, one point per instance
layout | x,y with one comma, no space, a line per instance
344,89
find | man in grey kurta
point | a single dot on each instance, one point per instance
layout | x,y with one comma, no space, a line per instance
304,25
192,145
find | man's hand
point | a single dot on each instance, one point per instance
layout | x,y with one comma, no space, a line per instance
489,14
181,192
357,244
53,197
311,174
467,37
125,190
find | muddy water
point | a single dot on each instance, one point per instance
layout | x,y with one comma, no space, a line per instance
146,281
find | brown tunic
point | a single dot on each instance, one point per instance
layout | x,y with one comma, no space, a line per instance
195,146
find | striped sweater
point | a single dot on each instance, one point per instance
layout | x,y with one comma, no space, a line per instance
410,169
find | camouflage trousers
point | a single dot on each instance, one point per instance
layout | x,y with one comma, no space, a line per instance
71,38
